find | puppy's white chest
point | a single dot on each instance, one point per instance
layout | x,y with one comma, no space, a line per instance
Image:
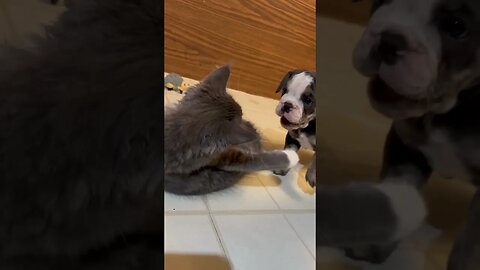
304,141
444,156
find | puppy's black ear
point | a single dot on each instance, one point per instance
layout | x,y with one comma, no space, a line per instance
314,76
284,81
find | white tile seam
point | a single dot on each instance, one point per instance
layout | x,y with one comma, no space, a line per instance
242,212
269,194
298,236
288,222
216,229
185,213
278,205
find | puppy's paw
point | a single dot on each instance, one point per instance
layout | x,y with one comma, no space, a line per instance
281,172
311,177
293,158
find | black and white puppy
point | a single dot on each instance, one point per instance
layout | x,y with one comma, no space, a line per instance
423,61
297,111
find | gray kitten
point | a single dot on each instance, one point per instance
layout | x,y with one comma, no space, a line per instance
208,146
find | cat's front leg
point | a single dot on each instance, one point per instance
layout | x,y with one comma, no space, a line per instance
234,159
290,144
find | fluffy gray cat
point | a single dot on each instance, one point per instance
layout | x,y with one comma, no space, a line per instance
208,146
81,141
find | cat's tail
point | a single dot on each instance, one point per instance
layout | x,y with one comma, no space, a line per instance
364,214
204,182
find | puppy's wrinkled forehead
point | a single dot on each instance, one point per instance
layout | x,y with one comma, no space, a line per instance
299,83
413,16
422,9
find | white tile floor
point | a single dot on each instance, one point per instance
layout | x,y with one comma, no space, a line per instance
263,223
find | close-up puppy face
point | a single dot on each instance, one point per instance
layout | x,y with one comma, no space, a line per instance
419,54
297,104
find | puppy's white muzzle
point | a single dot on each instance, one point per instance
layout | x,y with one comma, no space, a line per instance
294,113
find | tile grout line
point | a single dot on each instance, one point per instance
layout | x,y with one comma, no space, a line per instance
270,195
298,236
241,212
278,205
288,222
216,229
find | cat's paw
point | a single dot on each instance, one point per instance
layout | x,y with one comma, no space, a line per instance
293,158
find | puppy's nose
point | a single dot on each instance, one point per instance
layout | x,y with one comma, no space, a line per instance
389,47
287,107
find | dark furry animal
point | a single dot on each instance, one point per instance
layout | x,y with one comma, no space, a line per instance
423,62
208,146
81,140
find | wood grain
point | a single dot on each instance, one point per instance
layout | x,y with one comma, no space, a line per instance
263,39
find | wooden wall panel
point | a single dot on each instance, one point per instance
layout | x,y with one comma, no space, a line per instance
263,39
352,11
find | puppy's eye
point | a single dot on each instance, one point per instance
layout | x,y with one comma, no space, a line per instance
307,100
284,91
454,27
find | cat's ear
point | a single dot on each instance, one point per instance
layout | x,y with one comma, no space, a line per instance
218,79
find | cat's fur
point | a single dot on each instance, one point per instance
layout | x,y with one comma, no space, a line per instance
208,146
81,137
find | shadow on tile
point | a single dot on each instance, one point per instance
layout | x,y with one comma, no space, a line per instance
302,182
289,194
250,180
269,180
195,262
273,138
242,197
